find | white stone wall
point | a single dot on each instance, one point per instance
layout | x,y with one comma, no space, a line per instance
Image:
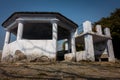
31,48
80,56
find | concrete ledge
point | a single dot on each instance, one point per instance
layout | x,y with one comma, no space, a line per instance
96,37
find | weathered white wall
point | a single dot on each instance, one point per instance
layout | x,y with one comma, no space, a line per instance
88,39
80,56
31,48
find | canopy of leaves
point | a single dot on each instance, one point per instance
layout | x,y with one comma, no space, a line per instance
113,22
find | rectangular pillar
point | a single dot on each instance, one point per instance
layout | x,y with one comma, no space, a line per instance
5,47
20,30
99,29
55,38
87,27
89,47
88,38
65,44
7,37
73,46
69,44
76,32
109,46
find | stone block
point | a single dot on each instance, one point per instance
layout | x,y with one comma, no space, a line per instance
69,57
41,59
19,56
8,58
80,56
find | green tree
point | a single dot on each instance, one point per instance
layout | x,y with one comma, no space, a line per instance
113,22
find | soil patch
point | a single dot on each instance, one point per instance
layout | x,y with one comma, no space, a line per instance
60,71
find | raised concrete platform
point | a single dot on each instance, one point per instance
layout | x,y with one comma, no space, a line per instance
96,37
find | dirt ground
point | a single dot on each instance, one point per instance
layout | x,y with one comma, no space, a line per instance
60,71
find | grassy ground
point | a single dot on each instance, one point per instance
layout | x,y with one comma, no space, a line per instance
60,71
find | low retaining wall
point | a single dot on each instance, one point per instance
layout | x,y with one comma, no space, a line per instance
32,49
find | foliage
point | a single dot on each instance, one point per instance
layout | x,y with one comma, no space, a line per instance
113,22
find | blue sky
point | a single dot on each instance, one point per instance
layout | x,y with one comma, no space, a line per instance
76,10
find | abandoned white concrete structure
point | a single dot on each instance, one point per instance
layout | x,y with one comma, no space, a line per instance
97,45
37,34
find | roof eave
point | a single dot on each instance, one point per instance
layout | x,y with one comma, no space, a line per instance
55,13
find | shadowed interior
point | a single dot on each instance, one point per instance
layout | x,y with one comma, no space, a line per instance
41,31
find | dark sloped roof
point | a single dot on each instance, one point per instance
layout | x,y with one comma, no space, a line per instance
18,14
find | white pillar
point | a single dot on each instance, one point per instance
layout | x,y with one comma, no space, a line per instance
73,46
7,37
69,44
66,44
89,48
109,46
87,27
5,47
20,30
76,32
99,29
55,37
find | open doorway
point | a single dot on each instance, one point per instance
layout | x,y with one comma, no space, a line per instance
63,35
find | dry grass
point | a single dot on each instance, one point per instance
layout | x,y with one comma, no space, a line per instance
60,71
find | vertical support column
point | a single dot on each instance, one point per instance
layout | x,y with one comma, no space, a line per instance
99,29
7,37
5,47
73,46
76,32
87,27
66,44
20,30
89,49
109,46
55,37
69,44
